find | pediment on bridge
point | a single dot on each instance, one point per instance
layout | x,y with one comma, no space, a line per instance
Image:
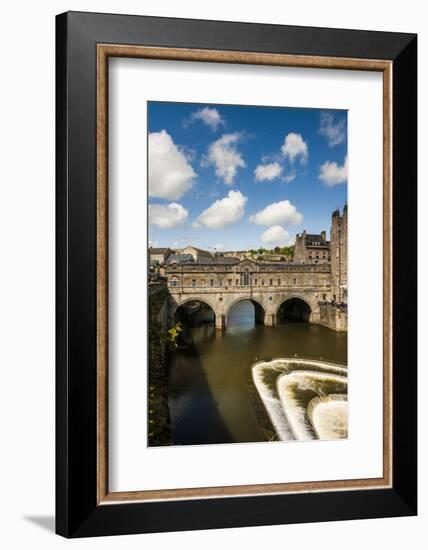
247,263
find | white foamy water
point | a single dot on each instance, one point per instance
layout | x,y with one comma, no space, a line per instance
288,386
329,416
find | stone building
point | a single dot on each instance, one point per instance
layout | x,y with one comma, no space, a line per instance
339,255
312,248
268,286
313,287
200,256
159,255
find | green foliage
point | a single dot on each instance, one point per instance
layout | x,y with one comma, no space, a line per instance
174,333
287,251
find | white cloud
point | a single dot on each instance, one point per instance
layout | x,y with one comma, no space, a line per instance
282,212
210,117
276,236
332,173
335,133
170,174
289,177
167,216
223,212
268,171
294,147
225,157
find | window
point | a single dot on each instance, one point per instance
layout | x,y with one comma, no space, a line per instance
230,282
203,282
246,279
279,282
173,281
294,281
212,282
271,282
255,281
237,282
263,282
193,282
220,283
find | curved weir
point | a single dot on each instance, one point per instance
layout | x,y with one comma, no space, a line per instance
329,416
298,397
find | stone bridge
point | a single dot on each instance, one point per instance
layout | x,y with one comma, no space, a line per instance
268,286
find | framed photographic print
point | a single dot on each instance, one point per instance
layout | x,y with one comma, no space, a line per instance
236,274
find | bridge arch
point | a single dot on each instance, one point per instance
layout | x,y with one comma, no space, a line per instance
293,308
183,310
259,309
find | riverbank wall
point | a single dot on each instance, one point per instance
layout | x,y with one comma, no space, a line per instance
159,421
334,316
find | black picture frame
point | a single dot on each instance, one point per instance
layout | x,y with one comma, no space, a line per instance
77,511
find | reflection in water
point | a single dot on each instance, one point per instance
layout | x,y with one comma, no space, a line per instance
207,379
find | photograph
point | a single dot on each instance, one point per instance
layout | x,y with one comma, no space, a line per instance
247,273
212,281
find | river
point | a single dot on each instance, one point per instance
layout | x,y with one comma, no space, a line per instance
208,379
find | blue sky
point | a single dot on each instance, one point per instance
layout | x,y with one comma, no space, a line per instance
237,177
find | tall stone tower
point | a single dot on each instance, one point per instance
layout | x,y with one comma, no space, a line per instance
299,248
339,255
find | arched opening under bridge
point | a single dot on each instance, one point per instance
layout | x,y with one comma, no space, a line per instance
194,313
293,310
245,312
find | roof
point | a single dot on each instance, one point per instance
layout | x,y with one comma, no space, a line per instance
312,238
223,260
180,259
160,250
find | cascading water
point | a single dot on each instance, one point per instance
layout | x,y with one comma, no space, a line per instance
305,399
329,416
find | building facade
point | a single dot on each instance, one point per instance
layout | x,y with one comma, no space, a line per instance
339,255
268,285
312,248
199,255
158,256
317,278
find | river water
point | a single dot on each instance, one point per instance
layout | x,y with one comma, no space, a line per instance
208,378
